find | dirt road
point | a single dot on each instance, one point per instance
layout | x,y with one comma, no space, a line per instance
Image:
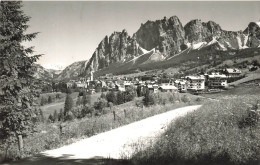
117,142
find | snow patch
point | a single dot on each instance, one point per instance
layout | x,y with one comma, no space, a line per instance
188,44
239,42
212,41
58,66
198,45
258,23
245,40
143,50
229,45
222,46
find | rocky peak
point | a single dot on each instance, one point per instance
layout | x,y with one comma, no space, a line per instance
115,48
198,31
167,35
253,32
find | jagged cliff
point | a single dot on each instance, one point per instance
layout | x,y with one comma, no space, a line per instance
168,37
118,47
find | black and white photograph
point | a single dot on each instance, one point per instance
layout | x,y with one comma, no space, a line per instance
129,82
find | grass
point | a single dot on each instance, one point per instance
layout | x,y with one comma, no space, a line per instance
235,92
50,108
47,135
220,132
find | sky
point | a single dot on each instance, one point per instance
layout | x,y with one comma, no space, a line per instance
71,31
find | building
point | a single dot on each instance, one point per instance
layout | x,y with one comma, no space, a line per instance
195,83
232,72
217,81
181,85
168,88
80,84
119,87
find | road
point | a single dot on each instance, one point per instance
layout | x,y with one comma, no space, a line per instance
113,144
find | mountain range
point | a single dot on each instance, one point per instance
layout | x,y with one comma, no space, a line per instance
161,42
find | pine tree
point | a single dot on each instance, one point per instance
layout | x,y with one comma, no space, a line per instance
51,119
16,66
68,104
42,101
61,115
148,98
41,115
120,98
49,99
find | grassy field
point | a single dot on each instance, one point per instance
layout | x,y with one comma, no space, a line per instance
50,108
223,131
235,92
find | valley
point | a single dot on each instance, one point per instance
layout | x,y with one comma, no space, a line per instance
143,85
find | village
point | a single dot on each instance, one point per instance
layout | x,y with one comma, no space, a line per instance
214,81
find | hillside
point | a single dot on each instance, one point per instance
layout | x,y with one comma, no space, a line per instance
45,74
71,71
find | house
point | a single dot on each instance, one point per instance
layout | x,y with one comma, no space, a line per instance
232,72
217,81
181,85
70,83
119,87
127,84
80,84
168,88
195,83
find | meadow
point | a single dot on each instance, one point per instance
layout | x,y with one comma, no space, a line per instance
222,131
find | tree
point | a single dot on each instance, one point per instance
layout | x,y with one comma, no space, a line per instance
68,104
111,97
129,94
55,116
100,105
61,115
17,88
120,98
43,101
41,115
49,99
148,98
51,119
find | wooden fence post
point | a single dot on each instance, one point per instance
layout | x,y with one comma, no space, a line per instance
125,113
114,113
20,143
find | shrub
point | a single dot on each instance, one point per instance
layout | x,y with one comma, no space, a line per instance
129,94
100,105
185,99
111,97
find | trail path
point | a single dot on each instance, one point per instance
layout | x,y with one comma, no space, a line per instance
118,142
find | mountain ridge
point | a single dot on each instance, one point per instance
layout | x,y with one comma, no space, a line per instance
169,37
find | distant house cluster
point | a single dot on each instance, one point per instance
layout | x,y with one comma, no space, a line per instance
190,83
